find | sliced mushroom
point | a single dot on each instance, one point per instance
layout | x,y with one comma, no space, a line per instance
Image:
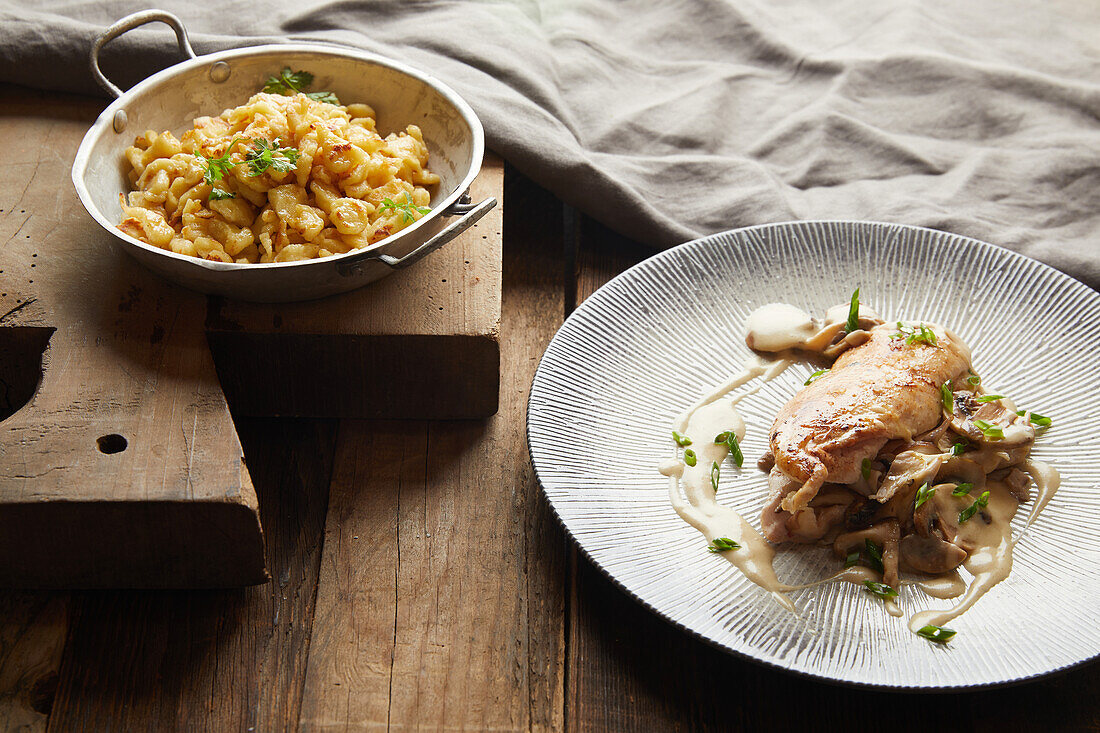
766,461
1016,432
824,513
1016,481
910,469
938,516
930,554
886,535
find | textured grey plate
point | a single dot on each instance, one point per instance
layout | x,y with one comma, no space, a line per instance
658,336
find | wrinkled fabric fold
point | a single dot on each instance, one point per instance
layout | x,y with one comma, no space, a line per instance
668,121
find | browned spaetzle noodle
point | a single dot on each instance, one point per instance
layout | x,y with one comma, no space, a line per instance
333,199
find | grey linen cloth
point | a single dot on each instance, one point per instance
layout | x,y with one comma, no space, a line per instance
667,120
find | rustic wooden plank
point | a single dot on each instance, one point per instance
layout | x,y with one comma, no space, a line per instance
33,627
212,660
440,603
629,670
124,468
420,343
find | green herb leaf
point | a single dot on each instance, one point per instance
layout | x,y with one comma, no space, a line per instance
814,377
1036,419
218,168
962,489
937,634
266,155
958,448
989,398
723,544
874,555
690,457
924,493
881,590
288,82
852,559
730,439
948,399
407,209
971,510
715,472
219,194
865,469
989,429
681,439
853,314
326,97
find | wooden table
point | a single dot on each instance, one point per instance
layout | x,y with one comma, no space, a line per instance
420,581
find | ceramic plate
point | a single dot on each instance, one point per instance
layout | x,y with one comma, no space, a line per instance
657,337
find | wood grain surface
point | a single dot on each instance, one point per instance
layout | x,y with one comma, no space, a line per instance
420,582
124,469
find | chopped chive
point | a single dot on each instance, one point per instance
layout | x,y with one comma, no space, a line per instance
962,489
723,544
853,314
937,634
865,469
852,559
924,493
1036,419
874,555
715,472
948,399
958,448
989,429
814,377
681,439
971,510
990,397
689,457
881,590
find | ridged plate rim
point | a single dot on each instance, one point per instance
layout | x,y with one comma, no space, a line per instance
845,231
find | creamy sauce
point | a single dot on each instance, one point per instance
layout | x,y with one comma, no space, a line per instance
778,327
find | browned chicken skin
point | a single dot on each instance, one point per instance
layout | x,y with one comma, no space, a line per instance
882,390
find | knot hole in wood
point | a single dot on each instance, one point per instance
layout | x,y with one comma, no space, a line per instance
22,356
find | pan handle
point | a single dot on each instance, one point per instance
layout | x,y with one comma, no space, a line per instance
128,24
469,213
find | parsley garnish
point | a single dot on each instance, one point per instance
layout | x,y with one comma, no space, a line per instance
924,493
218,168
681,439
290,83
853,314
814,377
948,399
265,155
218,194
729,438
881,590
962,489
980,502
936,633
990,430
915,334
723,544
407,209
689,457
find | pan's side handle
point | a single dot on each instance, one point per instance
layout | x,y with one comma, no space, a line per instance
128,24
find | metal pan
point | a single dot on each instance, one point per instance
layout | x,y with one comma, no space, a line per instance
206,85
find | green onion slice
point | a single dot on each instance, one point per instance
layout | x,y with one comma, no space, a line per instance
690,458
852,559
948,399
990,397
865,469
723,544
924,493
681,439
874,555
729,438
974,379
881,590
853,313
990,430
937,634
971,510
814,377
1036,419
958,448
962,489
715,472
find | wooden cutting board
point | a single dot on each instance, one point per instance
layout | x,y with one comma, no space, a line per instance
119,462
